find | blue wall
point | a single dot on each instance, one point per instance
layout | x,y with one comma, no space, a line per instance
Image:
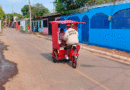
85,30
111,37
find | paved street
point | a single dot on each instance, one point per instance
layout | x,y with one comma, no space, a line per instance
36,71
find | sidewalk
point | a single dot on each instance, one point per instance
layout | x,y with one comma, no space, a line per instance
105,51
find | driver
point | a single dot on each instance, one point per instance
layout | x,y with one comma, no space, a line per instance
71,38
61,34
61,37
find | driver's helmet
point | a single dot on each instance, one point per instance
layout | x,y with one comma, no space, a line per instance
68,25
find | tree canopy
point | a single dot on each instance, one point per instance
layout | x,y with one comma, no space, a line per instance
62,6
10,16
25,11
19,16
2,15
37,10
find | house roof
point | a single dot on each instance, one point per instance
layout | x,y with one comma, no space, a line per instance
51,14
66,22
24,19
47,15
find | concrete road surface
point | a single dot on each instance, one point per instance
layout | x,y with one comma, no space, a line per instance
36,71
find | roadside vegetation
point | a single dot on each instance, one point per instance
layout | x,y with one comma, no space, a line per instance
2,15
64,6
37,10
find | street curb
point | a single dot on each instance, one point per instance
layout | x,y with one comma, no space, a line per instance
102,52
106,53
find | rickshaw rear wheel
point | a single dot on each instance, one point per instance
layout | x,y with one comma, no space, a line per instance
74,62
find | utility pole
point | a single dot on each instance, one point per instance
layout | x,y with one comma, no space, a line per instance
6,20
13,11
30,16
13,16
9,20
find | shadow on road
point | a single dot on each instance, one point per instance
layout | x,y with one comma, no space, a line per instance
103,66
49,58
23,32
115,61
83,65
7,69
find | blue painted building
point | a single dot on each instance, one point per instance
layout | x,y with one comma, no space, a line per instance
36,25
99,31
40,25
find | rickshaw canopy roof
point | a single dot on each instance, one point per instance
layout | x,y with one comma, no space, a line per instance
55,30
65,22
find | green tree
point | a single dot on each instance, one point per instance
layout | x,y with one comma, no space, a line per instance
2,15
18,15
60,8
25,11
33,11
37,10
10,16
63,6
40,10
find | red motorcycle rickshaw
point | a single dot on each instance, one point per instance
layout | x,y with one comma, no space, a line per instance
59,51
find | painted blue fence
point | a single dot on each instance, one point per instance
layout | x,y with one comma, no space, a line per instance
99,31
121,19
99,21
75,19
85,30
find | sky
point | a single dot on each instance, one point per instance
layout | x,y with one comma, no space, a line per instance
16,5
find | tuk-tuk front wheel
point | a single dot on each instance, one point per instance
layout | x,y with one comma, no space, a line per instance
55,55
54,60
74,62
